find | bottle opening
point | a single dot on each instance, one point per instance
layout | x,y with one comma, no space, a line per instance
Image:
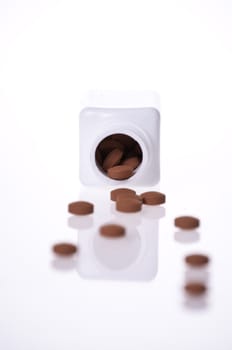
118,156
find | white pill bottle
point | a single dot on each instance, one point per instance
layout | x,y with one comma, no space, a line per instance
134,114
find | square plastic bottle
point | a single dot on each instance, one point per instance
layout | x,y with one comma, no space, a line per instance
129,121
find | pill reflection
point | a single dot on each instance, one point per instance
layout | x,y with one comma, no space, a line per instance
153,212
200,275
196,302
127,219
187,236
63,264
80,222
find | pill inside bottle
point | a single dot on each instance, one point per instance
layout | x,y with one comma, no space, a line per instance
118,156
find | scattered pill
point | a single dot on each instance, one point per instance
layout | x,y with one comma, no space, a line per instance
129,205
123,196
119,191
80,208
153,198
64,249
195,288
112,230
187,222
197,260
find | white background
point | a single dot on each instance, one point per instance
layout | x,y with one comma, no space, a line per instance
51,51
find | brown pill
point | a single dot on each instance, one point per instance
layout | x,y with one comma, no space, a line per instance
80,208
187,222
113,158
112,231
132,162
197,260
129,205
119,191
130,195
64,249
195,288
153,198
108,145
120,172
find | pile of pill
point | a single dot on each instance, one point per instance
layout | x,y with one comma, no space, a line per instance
128,201
118,156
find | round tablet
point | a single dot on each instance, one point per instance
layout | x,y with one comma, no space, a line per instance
80,208
128,205
120,172
113,158
153,198
119,191
197,260
112,230
123,196
195,288
187,222
132,162
64,249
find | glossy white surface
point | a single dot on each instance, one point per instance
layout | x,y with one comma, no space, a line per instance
184,49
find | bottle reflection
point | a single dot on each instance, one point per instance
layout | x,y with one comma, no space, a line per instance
78,222
132,257
119,253
63,264
153,212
